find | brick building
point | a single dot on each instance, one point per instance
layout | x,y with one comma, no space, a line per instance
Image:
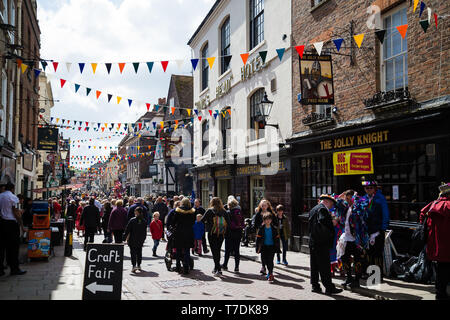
392,97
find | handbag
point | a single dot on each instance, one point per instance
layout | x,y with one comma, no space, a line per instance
420,235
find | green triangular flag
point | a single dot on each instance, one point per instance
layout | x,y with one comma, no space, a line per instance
136,66
263,55
424,24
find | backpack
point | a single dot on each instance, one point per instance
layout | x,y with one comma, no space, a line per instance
219,226
237,221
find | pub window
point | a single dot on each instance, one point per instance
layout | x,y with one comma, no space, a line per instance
256,122
225,46
226,128
205,67
316,2
205,138
394,52
4,11
256,22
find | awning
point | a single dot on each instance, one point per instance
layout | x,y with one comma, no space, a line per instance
58,188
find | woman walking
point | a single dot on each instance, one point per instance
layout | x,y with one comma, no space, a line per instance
107,209
135,233
285,232
77,222
183,222
118,221
233,238
216,220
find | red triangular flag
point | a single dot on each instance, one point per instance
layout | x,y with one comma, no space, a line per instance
435,19
121,66
55,65
200,118
98,93
63,82
140,125
244,57
210,112
164,65
300,50
402,30
148,106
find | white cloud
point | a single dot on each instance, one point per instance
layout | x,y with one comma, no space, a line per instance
114,31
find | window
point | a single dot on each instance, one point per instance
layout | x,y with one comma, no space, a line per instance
226,129
10,113
395,52
205,192
3,113
4,11
256,122
225,46
205,138
316,2
256,22
205,67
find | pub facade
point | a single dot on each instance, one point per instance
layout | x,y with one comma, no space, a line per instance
390,114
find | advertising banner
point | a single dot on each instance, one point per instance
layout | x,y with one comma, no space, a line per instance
359,161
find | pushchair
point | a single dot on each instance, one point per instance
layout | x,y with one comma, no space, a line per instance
171,252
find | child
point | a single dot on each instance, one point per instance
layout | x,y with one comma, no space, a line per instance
135,233
267,243
156,229
199,231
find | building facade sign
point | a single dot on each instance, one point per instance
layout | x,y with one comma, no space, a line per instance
224,87
357,140
358,161
252,67
203,103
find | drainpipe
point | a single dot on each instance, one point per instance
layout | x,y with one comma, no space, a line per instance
16,110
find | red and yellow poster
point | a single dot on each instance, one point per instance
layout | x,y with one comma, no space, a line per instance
358,161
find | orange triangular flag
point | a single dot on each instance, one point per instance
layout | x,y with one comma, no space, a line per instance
402,30
173,110
121,66
118,99
229,111
162,124
98,93
211,61
244,57
94,67
359,39
24,67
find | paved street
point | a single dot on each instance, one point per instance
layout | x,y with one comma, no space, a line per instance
61,278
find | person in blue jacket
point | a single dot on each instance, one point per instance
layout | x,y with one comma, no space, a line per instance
377,222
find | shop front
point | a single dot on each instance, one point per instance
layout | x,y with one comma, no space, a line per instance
409,158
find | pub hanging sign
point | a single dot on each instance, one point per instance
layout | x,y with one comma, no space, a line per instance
316,77
47,139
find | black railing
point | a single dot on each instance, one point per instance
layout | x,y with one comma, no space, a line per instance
388,99
314,119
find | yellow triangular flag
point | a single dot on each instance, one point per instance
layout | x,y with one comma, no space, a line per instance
416,2
189,111
118,99
359,39
106,125
24,67
211,61
162,124
94,67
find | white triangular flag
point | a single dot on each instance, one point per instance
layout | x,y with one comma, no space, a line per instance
318,46
49,77
179,64
429,14
68,65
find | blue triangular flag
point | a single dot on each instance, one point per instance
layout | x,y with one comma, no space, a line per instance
98,124
154,125
150,66
194,63
338,43
44,64
196,111
108,67
280,53
129,102
422,7
51,119
81,67
37,72
156,107
77,87
109,97
215,116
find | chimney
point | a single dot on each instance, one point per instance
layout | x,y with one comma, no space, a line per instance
162,101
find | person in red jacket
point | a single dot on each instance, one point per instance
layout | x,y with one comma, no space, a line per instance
438,238
156,229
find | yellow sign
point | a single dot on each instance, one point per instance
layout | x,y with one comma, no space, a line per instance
350,162
353,141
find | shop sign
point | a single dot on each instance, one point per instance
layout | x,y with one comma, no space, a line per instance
316,77
204,175
353,141
28,161
47,139
256,169
222,173
359,161
224,87
251,68
103,272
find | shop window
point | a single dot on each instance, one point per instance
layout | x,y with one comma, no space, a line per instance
257,192
205,67
256,123
394,52
225,46
205,138
256,22
205,193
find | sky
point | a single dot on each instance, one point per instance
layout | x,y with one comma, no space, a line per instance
113,31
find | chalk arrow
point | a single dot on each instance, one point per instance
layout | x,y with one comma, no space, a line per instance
94,287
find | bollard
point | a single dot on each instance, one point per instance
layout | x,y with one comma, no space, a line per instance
69,238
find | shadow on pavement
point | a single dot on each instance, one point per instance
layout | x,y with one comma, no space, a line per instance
236,279
286,284
145,274
286,277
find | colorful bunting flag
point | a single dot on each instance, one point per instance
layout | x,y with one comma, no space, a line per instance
318,46
63,82
424,24
77,87
44,64
81,65
130,102
194,63
179,64
121,66
300,50
148,106
98,93
338,43
136,66
118,99
380,35
68,66
422,7
244,57
211,61
109,97
263,55
37,72
435,19
164,65
55,65
24,67
88,90
281,53
402,30
227,59
94,67
416,2
359,39
150,66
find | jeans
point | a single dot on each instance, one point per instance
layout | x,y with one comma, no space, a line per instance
233,244
284,244
155,245
267,255
215,242
118,236
136,256
185,255
89,235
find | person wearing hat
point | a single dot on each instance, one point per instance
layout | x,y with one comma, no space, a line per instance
438,238
321,236
377,222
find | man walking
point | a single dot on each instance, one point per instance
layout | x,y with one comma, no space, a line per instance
321,236
90,218
10,229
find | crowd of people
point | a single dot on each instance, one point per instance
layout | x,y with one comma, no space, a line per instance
345,229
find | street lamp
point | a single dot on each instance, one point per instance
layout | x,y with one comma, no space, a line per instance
265,107
63,154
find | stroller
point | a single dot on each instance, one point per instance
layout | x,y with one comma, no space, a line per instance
171,252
